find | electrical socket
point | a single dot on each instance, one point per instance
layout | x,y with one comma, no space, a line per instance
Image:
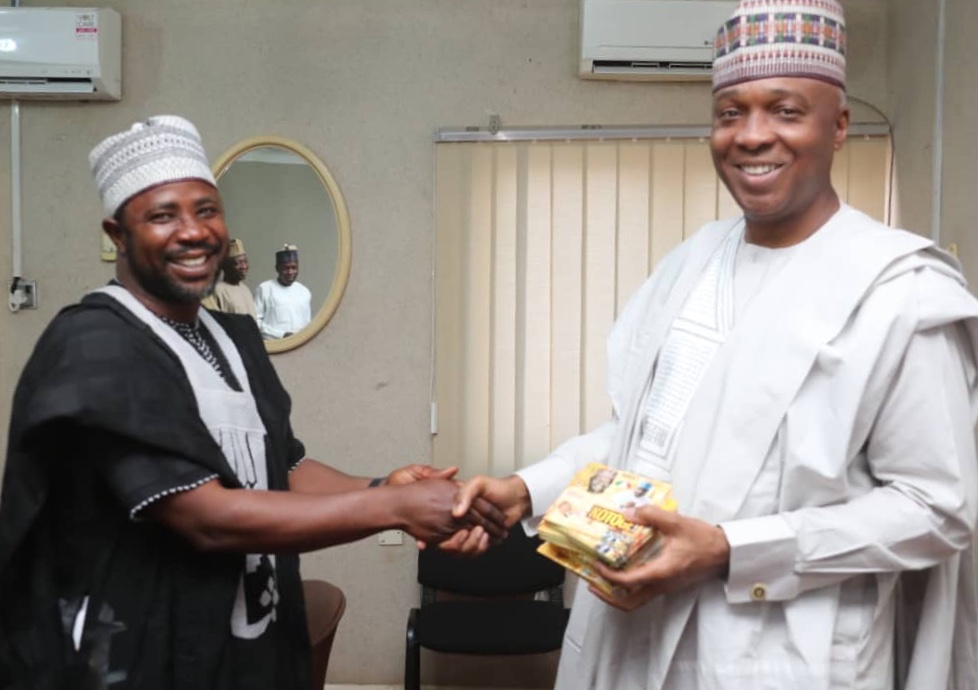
24,296
29,288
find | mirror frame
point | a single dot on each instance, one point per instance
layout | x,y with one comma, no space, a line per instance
344,248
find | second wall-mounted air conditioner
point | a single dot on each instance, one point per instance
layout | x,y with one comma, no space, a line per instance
650,40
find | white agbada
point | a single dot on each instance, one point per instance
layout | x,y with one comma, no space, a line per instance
831,437
282,309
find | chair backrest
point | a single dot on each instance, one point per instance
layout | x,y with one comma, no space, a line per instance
511,567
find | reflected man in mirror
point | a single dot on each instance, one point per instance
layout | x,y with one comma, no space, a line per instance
155,498
231,295
283,304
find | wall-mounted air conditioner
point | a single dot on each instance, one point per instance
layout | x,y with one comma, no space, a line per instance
650,40
60,53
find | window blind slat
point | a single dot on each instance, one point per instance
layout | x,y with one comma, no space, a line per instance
700,183
601,180
503,397
668,162
475,308
568,242
633,220
533,377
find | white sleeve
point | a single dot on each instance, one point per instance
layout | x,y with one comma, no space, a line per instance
547,478
921,452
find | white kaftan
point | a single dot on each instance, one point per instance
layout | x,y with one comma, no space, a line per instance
831,438
282,310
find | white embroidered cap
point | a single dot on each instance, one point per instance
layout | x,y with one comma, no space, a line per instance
164,148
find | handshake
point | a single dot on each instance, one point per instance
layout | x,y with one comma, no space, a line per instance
467,518
461,518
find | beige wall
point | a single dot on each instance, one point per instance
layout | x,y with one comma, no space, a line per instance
960,200
911,102
911,53
363,83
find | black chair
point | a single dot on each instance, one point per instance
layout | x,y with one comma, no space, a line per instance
498,621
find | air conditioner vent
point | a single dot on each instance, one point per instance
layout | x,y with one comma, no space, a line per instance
658,65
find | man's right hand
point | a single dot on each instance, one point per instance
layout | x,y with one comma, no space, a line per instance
427,510
509,495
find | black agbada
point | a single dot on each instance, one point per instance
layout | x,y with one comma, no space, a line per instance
104,419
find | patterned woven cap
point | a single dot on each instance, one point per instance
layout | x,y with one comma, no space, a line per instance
235,247
164,148
790,38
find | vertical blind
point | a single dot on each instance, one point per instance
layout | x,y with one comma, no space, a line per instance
538,247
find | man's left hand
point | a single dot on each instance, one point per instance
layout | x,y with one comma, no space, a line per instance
692,551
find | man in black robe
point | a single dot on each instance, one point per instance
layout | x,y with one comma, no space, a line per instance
154,497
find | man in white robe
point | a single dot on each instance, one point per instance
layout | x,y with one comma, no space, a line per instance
806,379
283,304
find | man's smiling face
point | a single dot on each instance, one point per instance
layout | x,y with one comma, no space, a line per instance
772,142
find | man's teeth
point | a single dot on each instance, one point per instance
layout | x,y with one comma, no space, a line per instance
758,169
198,261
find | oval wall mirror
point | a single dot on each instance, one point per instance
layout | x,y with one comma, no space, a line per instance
277,192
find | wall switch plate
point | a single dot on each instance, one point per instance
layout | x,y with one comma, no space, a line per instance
24,296
391,537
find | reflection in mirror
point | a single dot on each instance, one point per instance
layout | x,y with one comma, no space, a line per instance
287,212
